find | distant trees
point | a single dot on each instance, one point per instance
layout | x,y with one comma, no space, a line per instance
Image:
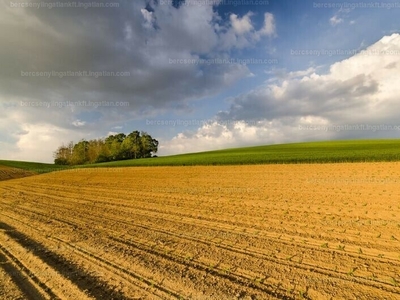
114,147
63,155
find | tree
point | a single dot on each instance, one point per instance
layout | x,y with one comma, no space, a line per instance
63,155
80,153
95,149
134,140
114,147
127,148
114,143
148,145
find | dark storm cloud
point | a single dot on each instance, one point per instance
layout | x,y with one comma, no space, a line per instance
127,39
318,97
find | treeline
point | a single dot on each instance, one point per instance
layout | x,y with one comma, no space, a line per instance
114,147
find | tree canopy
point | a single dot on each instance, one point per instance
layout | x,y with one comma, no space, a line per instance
114,147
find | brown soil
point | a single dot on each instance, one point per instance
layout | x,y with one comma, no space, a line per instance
328,231
7,173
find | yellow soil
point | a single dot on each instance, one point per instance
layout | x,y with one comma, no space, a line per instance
329,231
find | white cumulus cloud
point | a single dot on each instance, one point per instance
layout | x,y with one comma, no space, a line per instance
361,90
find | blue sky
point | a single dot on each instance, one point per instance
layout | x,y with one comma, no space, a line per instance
310,72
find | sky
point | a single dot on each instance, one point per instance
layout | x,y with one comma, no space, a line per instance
196,75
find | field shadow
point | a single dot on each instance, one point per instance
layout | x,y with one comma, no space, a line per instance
92,285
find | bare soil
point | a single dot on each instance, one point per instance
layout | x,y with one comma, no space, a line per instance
328,231
7,173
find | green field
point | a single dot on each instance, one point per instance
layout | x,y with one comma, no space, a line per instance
312,152
39,168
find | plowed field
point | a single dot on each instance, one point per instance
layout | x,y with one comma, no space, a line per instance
7,173
329,231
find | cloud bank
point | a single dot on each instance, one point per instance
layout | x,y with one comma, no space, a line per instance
142,53
304,105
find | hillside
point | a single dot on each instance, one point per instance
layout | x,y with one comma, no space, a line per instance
38,168
310,152
7,173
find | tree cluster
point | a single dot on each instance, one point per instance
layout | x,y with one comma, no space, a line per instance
114,147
